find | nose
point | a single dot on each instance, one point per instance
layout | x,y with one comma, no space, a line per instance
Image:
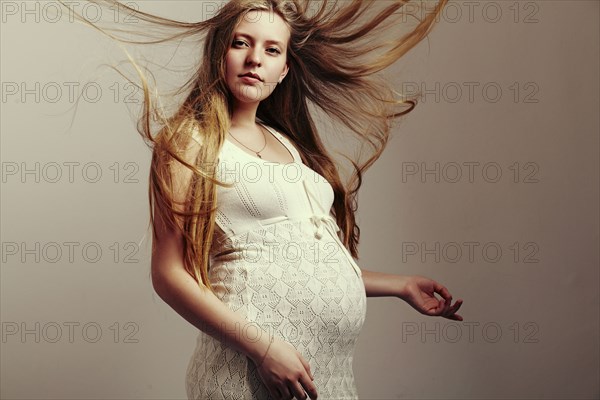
253,56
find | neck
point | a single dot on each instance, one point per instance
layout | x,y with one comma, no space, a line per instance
244,115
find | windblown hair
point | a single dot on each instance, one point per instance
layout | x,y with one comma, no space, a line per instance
334,54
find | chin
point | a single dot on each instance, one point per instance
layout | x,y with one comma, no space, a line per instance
251,96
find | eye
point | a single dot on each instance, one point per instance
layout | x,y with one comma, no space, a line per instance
236,42
276,50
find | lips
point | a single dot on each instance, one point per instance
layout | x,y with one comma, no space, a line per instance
252,75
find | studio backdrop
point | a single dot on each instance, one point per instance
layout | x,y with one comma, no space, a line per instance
490,186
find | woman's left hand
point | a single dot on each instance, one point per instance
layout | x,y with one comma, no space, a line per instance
419,292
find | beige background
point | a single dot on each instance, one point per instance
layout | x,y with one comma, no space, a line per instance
530,329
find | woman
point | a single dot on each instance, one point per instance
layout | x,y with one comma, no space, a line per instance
245,247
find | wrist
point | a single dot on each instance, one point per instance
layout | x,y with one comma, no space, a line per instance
259,349
400,284
262,359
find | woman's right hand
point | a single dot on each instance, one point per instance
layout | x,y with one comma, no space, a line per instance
286,373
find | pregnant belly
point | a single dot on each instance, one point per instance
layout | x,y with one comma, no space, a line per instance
296,290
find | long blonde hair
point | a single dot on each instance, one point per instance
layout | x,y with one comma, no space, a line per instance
334,55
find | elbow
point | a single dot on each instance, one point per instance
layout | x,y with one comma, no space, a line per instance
159,283
169,283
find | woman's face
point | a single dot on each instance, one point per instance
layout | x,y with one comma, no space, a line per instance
259,46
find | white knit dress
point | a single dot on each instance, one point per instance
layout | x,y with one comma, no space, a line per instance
277,261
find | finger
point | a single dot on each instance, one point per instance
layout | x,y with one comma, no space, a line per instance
284,393
275,392
445,301
309,387
455,317
443,307
443,291
455,306
451,314
307,367
298,391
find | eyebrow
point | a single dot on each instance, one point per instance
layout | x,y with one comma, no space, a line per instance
277,42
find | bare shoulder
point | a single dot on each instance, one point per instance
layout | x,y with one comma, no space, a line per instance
185,143
189,137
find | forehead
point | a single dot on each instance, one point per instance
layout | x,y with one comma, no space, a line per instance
264,25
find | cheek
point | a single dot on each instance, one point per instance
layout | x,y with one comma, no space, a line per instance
276,71
229,63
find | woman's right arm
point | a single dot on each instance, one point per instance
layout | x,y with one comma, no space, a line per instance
196,303
281,366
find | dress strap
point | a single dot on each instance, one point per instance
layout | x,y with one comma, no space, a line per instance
286,143
322,220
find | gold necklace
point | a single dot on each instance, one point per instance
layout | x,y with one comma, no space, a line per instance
257,152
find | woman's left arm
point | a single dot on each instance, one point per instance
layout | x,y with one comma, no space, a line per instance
418,291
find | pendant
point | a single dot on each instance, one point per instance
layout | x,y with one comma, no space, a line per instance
259,156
